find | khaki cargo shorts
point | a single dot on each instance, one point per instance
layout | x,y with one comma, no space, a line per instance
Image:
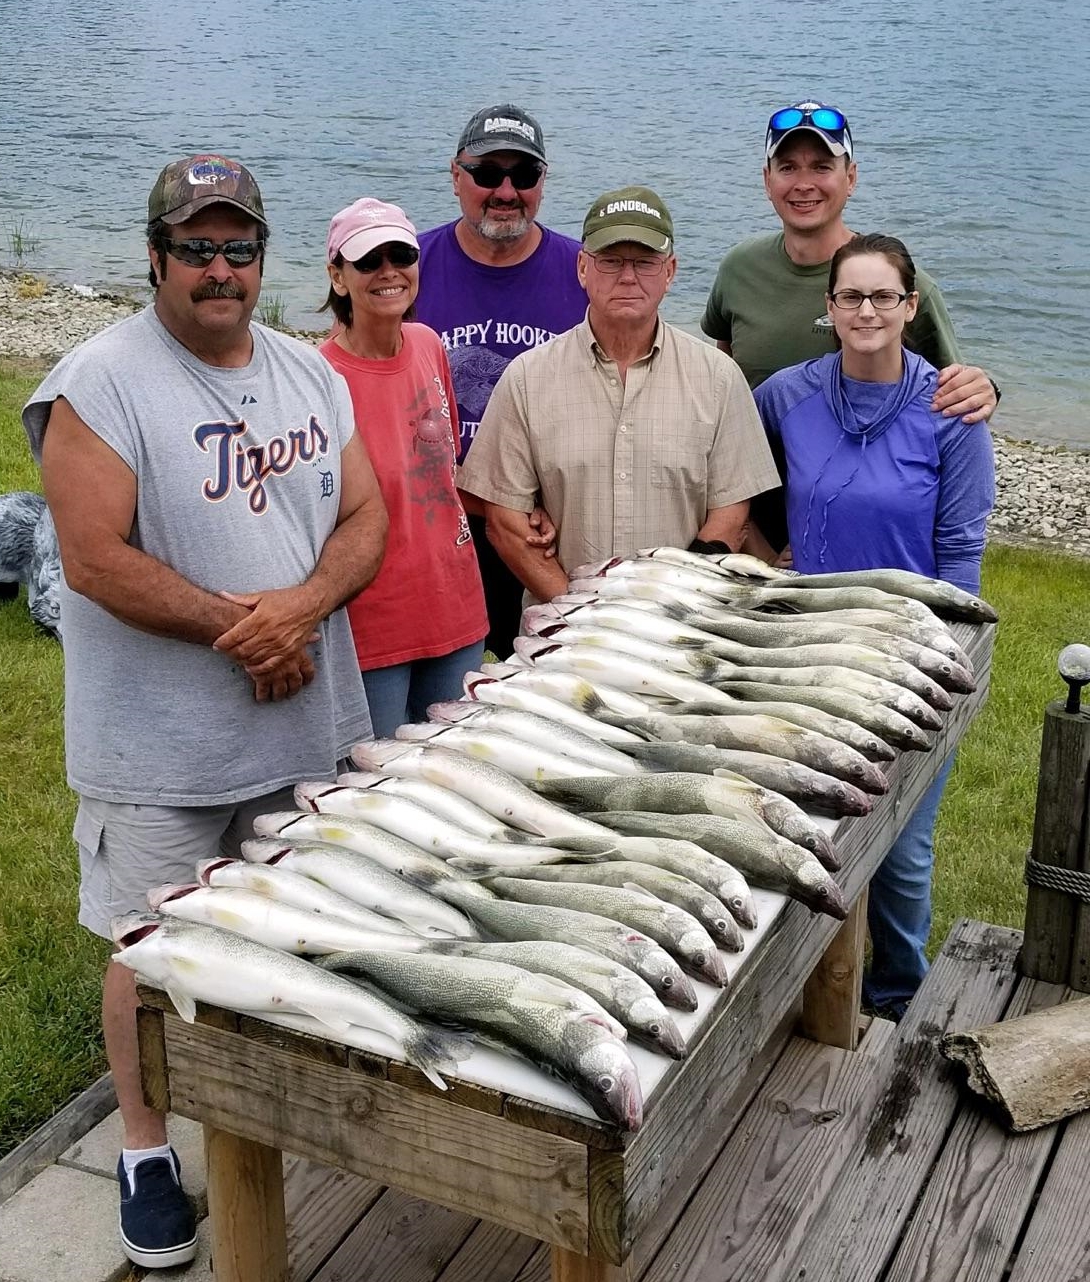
125,850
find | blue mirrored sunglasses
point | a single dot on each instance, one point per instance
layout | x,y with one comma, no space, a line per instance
827,118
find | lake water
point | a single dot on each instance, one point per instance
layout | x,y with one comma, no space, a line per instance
969,135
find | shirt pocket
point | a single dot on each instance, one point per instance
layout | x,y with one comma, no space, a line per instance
679,454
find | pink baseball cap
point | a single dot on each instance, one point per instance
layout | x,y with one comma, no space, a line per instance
366,224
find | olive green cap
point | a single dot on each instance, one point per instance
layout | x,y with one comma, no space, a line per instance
634,214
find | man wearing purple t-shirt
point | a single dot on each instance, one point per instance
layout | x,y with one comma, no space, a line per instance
495,283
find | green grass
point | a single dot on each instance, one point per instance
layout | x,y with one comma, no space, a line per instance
23,244
50,969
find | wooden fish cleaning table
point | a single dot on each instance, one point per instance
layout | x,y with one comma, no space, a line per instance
596,1195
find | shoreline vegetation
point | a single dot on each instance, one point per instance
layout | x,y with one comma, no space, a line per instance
1040,489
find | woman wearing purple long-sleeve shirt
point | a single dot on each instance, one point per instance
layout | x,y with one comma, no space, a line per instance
876,478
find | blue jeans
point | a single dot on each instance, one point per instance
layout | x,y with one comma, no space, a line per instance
899,907
401,693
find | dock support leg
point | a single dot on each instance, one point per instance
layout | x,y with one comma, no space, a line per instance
830,1002
245,1209
568,1266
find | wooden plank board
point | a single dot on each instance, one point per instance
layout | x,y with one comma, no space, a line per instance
1057,1243
467,1160
693,1098
490,1254
766,1187
402,1239
245,1208
855,1235
42,1148
980,1190
322,1205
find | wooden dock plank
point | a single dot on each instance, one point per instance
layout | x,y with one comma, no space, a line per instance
402,1239
323,1205
768,1183
1057,1243
855,1235
490,1254
980,1190
467,1160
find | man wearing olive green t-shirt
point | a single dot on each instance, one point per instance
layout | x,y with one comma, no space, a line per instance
767,306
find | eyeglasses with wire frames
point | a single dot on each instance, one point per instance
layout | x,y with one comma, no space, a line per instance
882,300
614,264
200,253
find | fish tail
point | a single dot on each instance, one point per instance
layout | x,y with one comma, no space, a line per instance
435,1051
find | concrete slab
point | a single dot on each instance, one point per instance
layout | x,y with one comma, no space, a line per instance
100,1148
63,1224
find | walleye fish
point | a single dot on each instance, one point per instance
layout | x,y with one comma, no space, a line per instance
943,598
674,929
684,858
530,1013
441,801
886,722
865,742
275,924
516,921
773,862
290,887
750,567
345,870
762,733
637,676
683,794
486,785
620,991
408,839
534,728
675,889
194,963
506,692
568,687
526,761
812,789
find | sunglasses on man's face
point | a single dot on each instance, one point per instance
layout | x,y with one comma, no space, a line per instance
199,253
397,254
524,174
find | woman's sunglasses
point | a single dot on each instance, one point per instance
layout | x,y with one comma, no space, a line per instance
396,253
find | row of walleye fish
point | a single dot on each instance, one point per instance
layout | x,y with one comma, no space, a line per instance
550,861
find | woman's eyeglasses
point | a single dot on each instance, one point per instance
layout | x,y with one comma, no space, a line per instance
397,254
199,253
524,174
882,300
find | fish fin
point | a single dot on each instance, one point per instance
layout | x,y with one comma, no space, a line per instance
587,699
637,889
336,1022
183,1004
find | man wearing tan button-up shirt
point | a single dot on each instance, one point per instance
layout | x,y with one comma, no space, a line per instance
633,433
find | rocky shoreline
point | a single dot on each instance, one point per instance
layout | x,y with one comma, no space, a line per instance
1042,491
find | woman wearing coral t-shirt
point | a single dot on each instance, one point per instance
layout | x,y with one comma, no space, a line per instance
420,625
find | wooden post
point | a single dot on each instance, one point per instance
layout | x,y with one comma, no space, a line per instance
1057,941
830,1000
245,1209
568,1266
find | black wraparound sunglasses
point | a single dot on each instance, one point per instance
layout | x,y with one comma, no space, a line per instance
524,174
396,253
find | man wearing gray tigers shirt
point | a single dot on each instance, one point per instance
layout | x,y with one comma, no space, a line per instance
215,508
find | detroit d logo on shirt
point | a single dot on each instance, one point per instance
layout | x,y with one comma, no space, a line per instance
246,468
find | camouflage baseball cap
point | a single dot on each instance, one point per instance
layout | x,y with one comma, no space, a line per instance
187,186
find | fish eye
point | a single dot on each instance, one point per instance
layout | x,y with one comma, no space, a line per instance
655,1030
605,1083
721,926
667,981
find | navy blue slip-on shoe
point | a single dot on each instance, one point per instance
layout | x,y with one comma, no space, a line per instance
158,1227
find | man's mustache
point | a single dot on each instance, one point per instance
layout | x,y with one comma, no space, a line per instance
218,289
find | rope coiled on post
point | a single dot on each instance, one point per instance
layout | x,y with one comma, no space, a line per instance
1068,881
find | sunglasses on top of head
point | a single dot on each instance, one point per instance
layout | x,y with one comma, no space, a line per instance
524,174
199,253
396,253
827,118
